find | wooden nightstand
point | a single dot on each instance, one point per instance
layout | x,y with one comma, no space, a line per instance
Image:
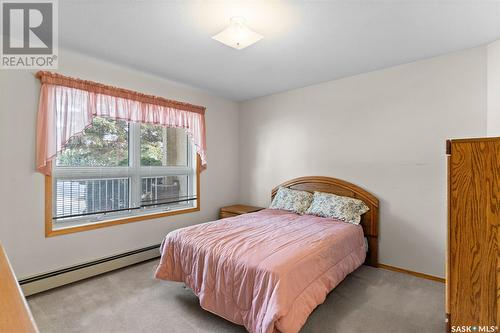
236,210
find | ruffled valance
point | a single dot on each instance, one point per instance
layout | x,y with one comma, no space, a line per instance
67,106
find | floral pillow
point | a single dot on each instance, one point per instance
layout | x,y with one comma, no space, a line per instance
292,200
334,206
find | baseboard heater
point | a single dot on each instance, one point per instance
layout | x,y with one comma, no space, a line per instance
60,277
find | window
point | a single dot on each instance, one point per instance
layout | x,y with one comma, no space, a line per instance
117,172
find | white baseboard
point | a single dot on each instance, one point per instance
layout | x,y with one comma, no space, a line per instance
46,281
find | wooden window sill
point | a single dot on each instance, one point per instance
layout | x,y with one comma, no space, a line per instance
50,232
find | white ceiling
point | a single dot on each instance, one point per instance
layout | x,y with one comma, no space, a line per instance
305,42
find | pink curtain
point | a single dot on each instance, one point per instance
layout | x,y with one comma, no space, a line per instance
67,106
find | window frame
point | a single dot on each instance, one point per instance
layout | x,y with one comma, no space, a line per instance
134,164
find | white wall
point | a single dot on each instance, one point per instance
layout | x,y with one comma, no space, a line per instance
22,190
494,89
384,131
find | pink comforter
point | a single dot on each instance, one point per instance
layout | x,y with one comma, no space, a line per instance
266,270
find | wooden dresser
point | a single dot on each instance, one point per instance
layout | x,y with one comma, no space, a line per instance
15,316
473,262
235,210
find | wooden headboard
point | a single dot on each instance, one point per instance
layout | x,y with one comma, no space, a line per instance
369,220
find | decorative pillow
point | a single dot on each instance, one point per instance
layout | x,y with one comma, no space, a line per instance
334,206
292,200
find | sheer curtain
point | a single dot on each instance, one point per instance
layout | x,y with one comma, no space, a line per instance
68,105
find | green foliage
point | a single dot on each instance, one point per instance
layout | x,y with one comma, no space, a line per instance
105,143
150,161
152,145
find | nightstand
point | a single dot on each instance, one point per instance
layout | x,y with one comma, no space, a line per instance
236,210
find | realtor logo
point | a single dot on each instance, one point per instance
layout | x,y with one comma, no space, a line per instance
29,34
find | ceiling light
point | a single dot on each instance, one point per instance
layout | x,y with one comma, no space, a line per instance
237,34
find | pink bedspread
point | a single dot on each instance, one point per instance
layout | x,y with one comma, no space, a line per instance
266,270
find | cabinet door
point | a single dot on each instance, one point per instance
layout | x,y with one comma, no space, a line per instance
474,213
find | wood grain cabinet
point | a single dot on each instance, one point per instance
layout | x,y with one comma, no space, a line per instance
473,262
235,210
15,315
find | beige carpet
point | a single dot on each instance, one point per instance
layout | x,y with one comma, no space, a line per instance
130,300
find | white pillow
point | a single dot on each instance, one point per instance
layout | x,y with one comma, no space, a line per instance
292,200
334,206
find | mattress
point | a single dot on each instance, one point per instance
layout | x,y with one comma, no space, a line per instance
266,270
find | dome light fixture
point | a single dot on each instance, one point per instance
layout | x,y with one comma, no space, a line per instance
237,35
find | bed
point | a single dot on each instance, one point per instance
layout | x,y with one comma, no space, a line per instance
270,269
